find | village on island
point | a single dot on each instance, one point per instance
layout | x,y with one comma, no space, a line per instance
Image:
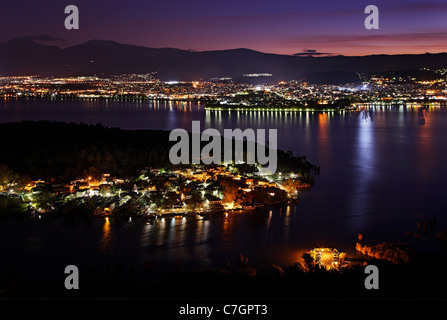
197,189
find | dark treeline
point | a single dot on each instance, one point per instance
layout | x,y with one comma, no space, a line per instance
66,151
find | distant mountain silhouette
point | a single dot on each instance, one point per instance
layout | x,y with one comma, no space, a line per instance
100,57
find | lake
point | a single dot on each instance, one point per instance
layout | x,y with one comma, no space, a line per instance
383,170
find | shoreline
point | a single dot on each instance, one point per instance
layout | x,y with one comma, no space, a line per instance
154,216
241,279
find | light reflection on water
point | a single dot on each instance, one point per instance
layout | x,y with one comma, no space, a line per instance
365,169
381,172
106,240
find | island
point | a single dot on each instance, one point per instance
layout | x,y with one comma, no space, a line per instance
270,100
92,170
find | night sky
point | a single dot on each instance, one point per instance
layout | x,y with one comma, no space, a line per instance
281,26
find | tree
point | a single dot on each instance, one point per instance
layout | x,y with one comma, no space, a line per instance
230,190
194,202
44,198
291,185
156,197
21,181
6,176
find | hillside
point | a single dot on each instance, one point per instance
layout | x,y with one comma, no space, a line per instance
99,57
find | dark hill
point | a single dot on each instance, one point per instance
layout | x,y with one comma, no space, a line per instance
100,57
68,151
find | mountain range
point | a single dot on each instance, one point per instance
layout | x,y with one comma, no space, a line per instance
102,57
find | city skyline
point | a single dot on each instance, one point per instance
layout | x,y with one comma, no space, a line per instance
285,27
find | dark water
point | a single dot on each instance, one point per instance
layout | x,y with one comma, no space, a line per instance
382,171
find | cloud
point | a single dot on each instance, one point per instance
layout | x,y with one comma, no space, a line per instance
328,41
311,53
42,38
407,42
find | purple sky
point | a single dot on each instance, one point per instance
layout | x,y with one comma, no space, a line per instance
281,26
